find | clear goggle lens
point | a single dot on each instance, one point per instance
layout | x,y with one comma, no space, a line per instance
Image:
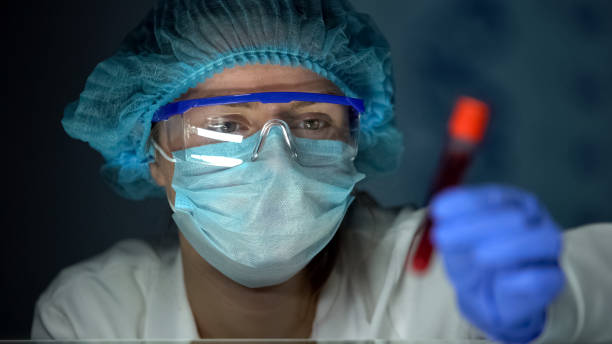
233,133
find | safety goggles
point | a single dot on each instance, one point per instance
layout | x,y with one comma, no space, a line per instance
241,123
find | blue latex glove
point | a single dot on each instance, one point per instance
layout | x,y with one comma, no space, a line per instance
501,252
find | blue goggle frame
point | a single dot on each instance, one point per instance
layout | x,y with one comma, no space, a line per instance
180,107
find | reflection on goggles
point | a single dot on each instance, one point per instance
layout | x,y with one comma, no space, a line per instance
215,135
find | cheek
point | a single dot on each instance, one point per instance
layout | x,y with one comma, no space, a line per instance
168,170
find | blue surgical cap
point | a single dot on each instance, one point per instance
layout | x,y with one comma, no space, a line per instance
184,42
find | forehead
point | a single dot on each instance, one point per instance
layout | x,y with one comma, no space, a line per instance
261,78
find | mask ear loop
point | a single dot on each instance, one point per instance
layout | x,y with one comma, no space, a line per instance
163,154
171,205
286,135
161,151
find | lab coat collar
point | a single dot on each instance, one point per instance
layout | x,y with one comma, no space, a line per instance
169,315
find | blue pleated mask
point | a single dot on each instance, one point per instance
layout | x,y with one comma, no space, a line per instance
261,222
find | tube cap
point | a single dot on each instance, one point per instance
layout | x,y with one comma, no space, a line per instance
469,119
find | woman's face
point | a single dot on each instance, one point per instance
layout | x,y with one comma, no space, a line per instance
241,80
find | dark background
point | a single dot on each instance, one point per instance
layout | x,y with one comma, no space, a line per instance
545,66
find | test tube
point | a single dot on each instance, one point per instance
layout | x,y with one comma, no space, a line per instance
466,128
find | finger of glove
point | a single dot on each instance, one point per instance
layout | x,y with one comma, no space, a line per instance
463,200
469,231
531,247
521,294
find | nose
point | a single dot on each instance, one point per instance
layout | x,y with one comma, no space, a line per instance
270,125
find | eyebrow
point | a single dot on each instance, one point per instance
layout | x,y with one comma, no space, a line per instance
238,105
301,104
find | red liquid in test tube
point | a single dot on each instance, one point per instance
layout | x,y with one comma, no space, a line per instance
466,129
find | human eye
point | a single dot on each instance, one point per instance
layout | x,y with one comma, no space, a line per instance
313,124
225,126
217,128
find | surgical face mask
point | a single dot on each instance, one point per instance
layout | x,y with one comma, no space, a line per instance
262,221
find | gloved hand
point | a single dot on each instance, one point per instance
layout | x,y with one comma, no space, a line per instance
501,252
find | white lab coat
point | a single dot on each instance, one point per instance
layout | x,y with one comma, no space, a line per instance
134,291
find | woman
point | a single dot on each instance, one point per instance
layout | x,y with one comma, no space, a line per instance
256,119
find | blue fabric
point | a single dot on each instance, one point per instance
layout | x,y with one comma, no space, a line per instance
182,43
261,222
501,252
